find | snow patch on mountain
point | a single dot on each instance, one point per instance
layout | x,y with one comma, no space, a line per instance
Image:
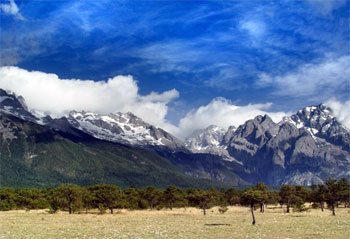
319,121
122,128
302,178
209,137
15,105
209,140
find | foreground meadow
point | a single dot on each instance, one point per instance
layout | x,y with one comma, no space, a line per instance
178,223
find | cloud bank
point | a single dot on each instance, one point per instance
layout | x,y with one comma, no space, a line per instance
327,76
52,95
11,8
325,7
223,113
340,110
255,28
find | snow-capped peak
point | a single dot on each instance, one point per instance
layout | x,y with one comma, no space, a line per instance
210,140
201,139
123,128
15,105
311,117
319,121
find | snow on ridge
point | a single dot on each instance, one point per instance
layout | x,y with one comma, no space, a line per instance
3,98
206,139
310,116
117,127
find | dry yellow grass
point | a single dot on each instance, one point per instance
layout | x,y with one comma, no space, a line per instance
179,223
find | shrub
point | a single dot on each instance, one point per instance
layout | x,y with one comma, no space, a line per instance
299,205
223,209
159,207
53,210
6,206
101,209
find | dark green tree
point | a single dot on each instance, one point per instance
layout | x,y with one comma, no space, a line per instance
302,192
344,191
251,197
50,195
106,196
31,198
68,196
264,189
87,199
152,195
7,199
332,195
318,195
132,198
273,197
287,194
173,196
203,199
233,196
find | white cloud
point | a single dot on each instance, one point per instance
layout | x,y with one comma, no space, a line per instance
50,94
322,80
325,7
341,110
165,97
255,28
223,113
226,77
11,9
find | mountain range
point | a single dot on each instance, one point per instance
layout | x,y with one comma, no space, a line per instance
304,148
120,148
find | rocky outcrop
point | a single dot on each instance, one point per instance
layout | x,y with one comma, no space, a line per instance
124,128
304,148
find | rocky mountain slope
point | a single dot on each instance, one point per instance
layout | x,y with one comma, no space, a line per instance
206,138
209,141
304,148
86,148
33,155
123,128
16,105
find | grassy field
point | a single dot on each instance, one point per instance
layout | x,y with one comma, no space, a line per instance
179,223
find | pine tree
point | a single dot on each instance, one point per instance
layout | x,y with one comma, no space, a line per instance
252,197
332,195
68,196
264,189
106,196
287,194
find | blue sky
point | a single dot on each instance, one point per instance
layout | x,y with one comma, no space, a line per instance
289,53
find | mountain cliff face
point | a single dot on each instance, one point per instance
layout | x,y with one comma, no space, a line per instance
322,125
87,148
16,106
209,140
208,137
304,148
33,155
125,129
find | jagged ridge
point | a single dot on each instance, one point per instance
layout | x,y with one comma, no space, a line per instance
304,148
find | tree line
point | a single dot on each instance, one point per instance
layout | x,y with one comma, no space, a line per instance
73,198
